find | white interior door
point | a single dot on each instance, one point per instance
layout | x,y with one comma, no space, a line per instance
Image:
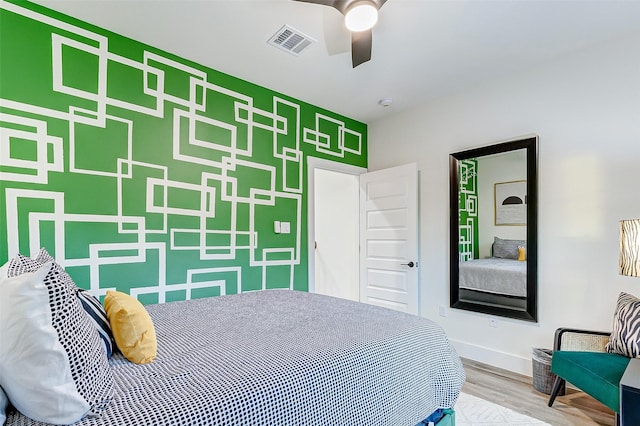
389,238
336,234
333,243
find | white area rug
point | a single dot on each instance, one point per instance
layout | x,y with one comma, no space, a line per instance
473,411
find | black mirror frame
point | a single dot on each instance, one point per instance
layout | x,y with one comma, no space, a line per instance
529,143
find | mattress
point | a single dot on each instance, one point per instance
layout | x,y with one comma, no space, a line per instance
281,357
494,275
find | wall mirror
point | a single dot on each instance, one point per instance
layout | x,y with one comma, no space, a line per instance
493,229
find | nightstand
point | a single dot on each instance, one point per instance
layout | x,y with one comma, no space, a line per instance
630,394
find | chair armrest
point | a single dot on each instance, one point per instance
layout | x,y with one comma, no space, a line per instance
571,339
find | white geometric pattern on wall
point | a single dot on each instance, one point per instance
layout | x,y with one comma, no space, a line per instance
468,209
186,166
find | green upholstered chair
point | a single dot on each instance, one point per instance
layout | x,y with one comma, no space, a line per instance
580,358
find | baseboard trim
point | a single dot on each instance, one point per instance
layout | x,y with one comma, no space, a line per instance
506,361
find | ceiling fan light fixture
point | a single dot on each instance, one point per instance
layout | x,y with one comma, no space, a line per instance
361,16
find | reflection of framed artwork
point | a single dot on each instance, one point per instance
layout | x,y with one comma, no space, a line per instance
511,202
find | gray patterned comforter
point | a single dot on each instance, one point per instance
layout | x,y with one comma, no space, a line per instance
282,357
495,275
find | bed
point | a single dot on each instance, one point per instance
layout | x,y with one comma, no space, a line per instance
494,281
281,357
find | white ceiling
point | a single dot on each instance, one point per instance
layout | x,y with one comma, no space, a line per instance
422,49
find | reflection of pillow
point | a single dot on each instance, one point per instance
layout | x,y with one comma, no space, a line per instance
507,249
52,364
132,328
625,337
522,253
98,317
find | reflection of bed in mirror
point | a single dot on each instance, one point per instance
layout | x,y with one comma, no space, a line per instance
477,178
494,281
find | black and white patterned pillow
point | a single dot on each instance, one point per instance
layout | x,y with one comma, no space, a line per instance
98,317
61,361
625,337
90,304
44,257
4,403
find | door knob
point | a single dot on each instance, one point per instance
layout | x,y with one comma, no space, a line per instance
410,264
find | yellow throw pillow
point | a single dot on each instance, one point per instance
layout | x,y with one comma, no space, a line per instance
522,254
132,328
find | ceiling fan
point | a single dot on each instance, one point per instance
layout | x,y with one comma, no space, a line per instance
360,17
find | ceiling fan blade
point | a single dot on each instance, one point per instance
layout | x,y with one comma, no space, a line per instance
336,36
324,2
360,41
361,47
342,5
338,4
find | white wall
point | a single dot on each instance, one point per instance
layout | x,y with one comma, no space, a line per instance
585,107
493,169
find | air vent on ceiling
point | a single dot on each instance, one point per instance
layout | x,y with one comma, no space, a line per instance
291,40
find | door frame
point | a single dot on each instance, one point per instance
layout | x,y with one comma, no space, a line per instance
312,164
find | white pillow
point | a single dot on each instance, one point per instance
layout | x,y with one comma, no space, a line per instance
4,402
52,365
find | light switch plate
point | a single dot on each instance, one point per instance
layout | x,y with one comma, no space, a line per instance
276,227
285,227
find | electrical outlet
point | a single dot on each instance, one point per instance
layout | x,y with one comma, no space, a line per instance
442,311
493,322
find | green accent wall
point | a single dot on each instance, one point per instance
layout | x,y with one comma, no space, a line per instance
468,210
147,173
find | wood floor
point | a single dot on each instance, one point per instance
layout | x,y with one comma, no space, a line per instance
516,392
